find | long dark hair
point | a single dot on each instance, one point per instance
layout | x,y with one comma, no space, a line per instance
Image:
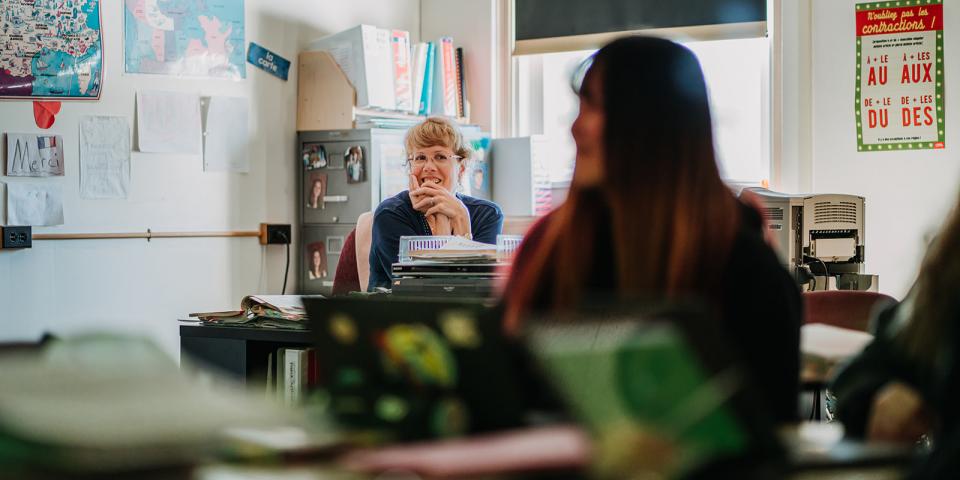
934,296
671,218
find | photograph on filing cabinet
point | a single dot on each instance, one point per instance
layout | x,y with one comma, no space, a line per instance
314,156
316,261
356,170
316,190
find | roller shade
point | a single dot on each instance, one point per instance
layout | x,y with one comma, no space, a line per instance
555,25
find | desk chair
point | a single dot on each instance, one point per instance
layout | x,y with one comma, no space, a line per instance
850,309
346,279
353,267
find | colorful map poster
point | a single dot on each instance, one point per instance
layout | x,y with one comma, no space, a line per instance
900,75
50,49
193,38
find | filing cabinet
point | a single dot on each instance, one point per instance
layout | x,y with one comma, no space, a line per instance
343,173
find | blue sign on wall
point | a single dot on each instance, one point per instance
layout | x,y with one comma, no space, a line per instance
268,61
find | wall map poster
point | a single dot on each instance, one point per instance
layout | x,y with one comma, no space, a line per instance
193,38
50,49
900,99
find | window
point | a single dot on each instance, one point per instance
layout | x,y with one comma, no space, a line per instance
737,76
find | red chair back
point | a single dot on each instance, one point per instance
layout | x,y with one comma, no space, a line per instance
347,279
849,309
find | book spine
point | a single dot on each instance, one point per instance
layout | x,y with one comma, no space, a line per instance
383,79
426,99
419,66
270,383
291,387
280,362
303,363
449,78
400,45
461,90
313,373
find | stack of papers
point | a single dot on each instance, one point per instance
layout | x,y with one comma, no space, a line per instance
458,249
825,346
269,311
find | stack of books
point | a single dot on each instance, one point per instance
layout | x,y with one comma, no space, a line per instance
291,374
268,311
391,75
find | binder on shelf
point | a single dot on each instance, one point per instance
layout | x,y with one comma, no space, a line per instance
295,375
326,100
364,55
445,79
419,70
426,98
402,70
461,86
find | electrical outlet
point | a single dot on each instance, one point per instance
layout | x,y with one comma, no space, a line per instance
275,233
16,237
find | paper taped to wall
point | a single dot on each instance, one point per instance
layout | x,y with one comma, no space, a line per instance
104,157
36,204
168,122
225,147
31,155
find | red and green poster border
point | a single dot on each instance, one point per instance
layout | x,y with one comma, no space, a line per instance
941,112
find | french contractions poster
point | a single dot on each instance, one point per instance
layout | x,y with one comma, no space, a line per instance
900,75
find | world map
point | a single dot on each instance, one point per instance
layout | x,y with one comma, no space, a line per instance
50,48
193,38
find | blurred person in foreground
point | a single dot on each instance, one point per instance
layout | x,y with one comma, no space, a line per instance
906,383
648,216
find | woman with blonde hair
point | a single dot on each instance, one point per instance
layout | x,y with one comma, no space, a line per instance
436,157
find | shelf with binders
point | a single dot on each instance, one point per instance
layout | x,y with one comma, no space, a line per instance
238,352
326,100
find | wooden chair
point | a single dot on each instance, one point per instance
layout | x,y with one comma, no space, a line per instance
849,309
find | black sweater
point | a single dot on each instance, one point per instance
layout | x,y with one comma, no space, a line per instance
759,305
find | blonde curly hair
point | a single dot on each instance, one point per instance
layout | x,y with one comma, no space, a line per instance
437,131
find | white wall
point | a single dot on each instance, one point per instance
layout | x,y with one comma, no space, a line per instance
471,24
132,285
907,193
791,166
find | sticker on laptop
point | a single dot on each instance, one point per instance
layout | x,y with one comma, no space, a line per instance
343,329
460,328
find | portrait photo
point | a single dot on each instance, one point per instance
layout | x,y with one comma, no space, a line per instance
315,188
316,253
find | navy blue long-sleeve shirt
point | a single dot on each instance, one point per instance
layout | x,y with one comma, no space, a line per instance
395,217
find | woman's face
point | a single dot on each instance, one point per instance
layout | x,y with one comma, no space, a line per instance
317,189
588,134
436,165
317,261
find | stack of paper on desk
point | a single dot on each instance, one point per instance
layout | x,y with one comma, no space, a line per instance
458,249
825,346
273,311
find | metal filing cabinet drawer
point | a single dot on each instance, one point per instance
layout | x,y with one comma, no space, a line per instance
336,182
322,245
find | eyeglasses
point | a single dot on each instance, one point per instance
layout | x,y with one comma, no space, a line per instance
420,159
